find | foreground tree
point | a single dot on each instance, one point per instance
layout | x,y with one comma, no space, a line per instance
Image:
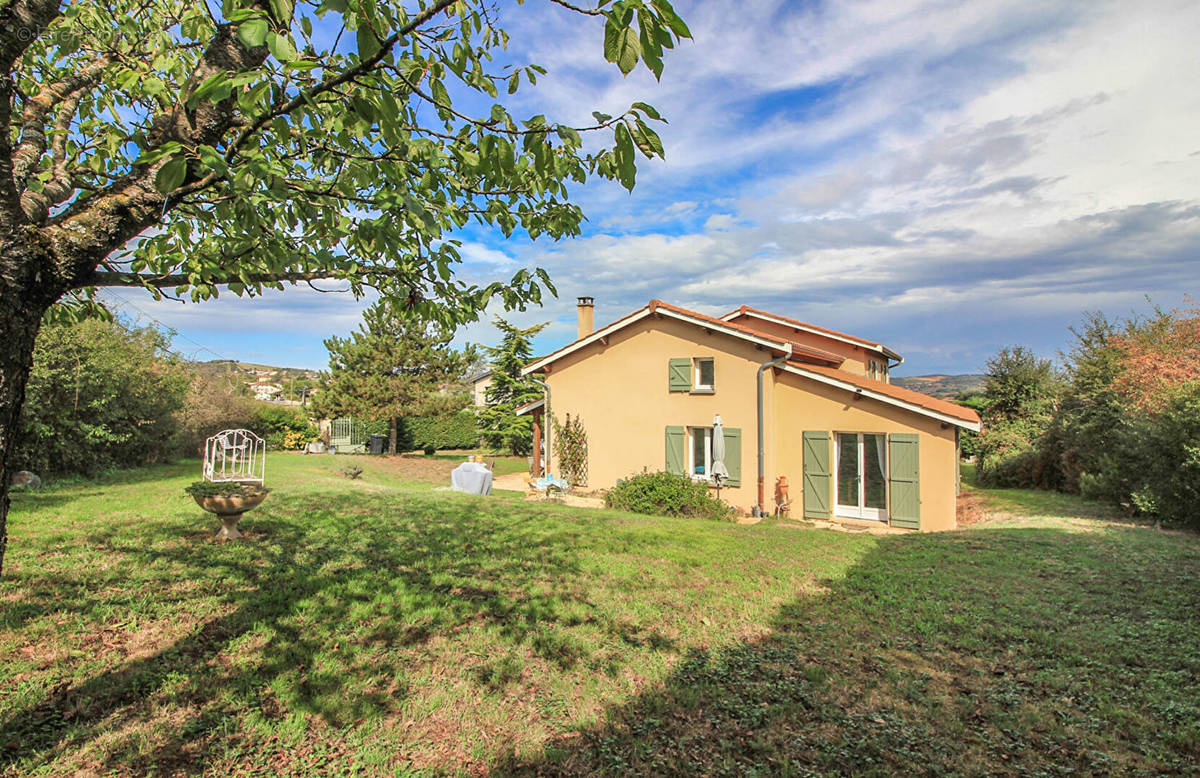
394,365
498,422
245,144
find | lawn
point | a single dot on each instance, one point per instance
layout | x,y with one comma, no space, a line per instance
380,626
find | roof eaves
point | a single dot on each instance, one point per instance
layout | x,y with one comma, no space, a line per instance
908,400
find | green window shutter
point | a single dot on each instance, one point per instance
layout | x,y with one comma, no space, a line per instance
817,480
733,455
680,371
675,443
904,480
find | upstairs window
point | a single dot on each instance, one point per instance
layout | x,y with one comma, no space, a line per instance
703,374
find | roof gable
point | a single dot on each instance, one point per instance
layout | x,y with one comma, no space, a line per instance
746,311
709,323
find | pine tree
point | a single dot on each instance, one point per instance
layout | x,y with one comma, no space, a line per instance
394,365
500,425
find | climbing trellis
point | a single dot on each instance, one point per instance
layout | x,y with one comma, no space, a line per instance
571,450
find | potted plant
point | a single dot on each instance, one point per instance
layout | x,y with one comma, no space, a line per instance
228,500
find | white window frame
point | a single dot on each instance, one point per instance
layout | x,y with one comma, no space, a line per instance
691,453
860,511
696,385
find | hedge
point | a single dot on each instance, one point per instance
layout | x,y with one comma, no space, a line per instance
454,430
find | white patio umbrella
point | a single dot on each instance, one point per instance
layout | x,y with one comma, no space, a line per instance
719,472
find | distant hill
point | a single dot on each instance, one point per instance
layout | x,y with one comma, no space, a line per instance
946,386
251,371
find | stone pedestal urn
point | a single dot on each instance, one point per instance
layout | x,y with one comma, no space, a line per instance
229,509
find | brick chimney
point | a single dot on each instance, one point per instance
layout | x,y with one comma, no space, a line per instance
586,306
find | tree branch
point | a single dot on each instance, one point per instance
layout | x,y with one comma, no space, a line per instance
147,281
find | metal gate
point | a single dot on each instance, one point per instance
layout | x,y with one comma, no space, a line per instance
347,436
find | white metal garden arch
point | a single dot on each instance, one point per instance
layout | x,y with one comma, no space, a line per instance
235,455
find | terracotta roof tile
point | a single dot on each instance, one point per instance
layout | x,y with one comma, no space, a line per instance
897,392
747,309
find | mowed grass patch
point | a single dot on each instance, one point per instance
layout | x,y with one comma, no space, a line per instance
375,625
1044,644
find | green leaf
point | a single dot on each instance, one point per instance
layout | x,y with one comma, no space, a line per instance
368,42
621,43
650,111
281,46
171,175
253,32
282,11
514,82
213,160
624,154
438,90
331,5
647,140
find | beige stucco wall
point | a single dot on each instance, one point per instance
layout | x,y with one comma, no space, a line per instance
621,392
856,356
804,404
479,391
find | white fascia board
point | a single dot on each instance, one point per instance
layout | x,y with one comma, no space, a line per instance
884,398
581,343
621,323
777,345
531,407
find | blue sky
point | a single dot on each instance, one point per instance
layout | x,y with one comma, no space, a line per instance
944,177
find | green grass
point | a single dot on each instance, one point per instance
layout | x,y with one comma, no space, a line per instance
382,626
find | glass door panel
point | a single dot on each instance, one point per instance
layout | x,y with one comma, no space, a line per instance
874,456
847,472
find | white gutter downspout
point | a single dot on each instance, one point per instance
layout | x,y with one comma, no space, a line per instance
787,353
546,415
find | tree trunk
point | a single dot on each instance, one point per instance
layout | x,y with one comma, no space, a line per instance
20,319
392,435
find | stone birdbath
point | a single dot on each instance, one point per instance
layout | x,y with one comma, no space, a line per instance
228,500
234,470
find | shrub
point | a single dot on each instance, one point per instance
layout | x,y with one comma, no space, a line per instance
451,430
101,395
214,402
225,489
665,494
285,427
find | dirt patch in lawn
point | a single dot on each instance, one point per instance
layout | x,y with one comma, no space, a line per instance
970,509
418,467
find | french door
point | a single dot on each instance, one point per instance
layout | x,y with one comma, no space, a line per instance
861,475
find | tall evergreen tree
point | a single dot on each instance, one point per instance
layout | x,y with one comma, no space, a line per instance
500,425
394,365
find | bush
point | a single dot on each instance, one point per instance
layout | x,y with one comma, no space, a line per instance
284,427
101,395
452,430
1163,459
214,402
665,494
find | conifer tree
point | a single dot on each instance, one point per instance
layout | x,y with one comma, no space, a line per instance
394,365
500,425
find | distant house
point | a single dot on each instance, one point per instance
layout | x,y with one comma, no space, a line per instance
265,391
479,386
797,401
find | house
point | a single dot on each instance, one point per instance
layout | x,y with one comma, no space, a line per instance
798,402
265,391
479,386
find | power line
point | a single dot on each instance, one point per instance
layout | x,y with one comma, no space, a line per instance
174,332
